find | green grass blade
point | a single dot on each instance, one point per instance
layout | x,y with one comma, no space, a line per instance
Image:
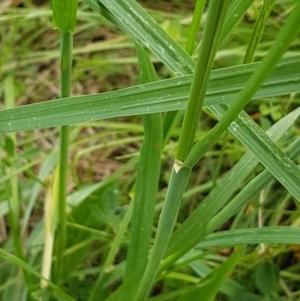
137,23
147,180
192,37
258,30
180,174
277,51
144,99
64,18
267,235
12,185
60,238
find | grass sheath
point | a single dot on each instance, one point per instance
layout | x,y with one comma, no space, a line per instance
209,43
164,230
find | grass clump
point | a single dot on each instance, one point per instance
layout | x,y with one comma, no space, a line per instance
198,200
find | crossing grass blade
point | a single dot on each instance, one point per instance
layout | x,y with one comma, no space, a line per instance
288,168
277,51
161,96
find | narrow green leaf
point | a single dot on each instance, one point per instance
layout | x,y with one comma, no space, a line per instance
192,37
258,30
270,155
267,235
161,96
147,179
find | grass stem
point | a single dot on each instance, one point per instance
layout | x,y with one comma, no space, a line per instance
216,14
66,71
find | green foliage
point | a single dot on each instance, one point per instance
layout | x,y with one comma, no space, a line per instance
109,208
